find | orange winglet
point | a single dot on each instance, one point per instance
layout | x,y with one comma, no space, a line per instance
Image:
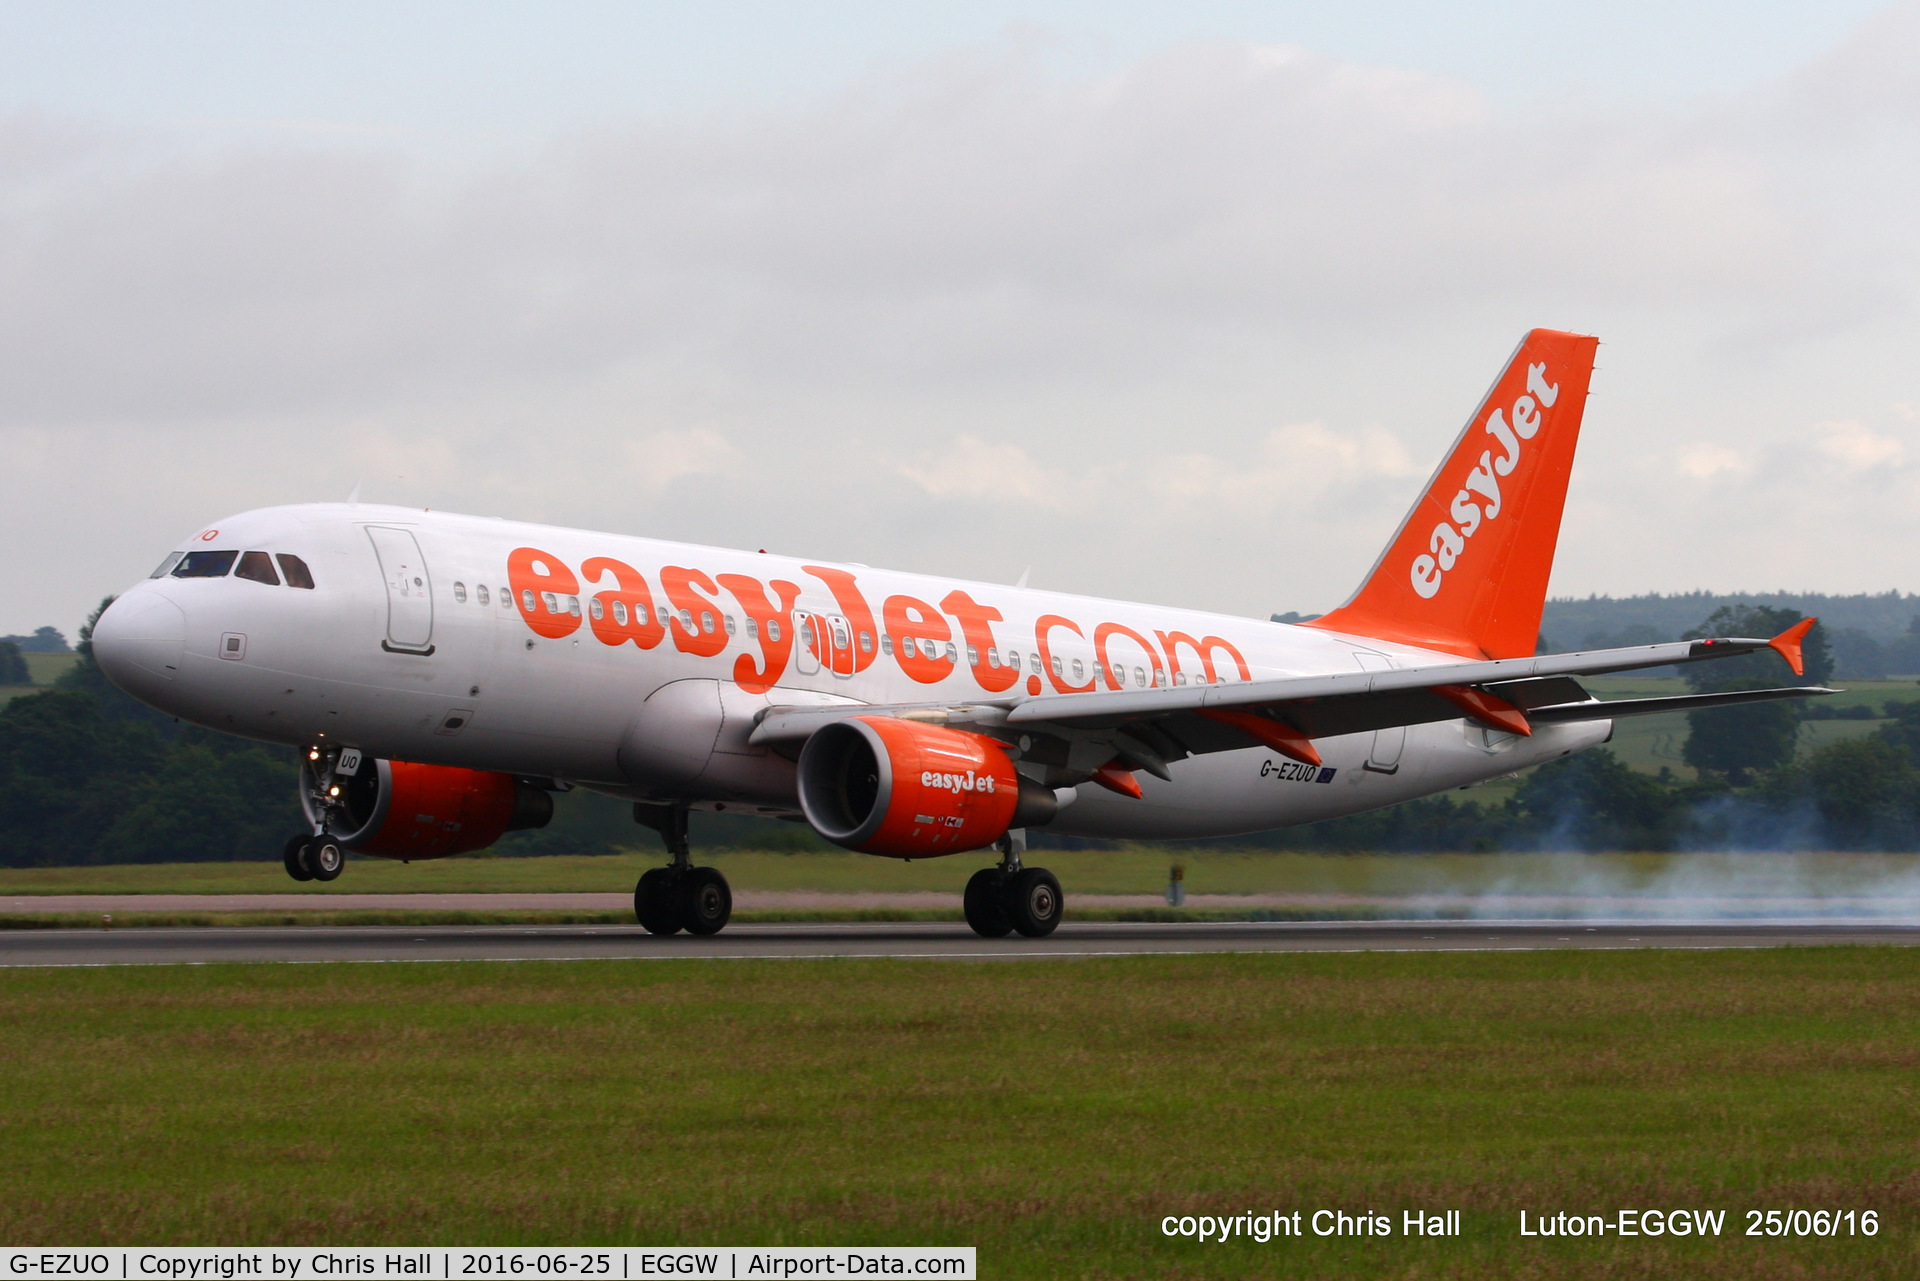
1787,645
1284,739
1116,777
1486,709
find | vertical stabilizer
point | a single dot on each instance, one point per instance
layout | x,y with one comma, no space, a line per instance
1467,571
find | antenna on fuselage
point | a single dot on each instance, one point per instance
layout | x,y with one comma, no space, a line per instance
354,497
1023,576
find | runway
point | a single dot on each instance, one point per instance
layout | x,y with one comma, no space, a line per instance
911,940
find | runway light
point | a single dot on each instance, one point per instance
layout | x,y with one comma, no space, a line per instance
313,753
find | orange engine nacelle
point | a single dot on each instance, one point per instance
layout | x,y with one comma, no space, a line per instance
908,790
397,809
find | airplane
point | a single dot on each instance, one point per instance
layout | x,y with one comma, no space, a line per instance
443,675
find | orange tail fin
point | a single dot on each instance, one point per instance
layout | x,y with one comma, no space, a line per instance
1467,571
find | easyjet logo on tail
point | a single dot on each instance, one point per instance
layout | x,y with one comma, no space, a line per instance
1478,502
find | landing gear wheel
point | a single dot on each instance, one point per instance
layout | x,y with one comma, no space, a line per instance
325,857
985,912
295,858
653,902
1033,902
704,900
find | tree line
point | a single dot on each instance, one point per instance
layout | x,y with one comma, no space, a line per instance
89,775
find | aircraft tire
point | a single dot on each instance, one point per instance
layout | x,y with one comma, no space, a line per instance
653,902
295,857
705,901
985,912
325,858
1034,902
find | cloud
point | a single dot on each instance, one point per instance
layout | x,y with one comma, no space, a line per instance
1704,462
1226,296
1854,445
656,461
978,471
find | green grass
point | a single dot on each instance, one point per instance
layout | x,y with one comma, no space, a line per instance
47,668
1133,870
43,669
1049,1113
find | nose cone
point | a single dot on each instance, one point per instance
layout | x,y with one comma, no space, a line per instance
139,642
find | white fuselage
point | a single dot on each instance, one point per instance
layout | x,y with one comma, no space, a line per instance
433,655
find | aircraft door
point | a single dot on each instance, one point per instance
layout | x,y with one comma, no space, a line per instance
409,590
807,647
1388,743
840,640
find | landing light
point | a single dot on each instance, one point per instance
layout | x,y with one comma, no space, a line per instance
333,791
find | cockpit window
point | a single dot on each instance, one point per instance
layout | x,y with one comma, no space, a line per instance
166,566
205,564
257,567
296,571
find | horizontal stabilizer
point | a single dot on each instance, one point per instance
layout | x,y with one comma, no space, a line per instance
1598,711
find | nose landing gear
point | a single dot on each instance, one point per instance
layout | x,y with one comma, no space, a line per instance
318,856
1007,898
679,896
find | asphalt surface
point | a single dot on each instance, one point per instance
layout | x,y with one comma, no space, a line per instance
901,939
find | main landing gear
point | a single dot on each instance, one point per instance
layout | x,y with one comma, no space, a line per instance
313,858
679,896
1000,900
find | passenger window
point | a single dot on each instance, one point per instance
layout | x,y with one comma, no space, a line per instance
205,564
1099,672
993,656
640,615
866,643
728,619
753,629
1059,668
257,567
886,644
706,622
573,606
973,656
619,611
460,593
951,656
1078,670
1180,678
552,602
598,610
526,599
480,594
773,630
1139,678
166,566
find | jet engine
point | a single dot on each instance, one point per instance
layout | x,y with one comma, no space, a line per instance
403,810
911,790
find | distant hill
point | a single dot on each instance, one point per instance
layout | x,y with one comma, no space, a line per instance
1570,623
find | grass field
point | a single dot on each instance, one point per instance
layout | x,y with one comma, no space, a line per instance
1049,1113
44,669
1134,870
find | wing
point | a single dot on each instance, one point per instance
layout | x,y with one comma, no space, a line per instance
1147,729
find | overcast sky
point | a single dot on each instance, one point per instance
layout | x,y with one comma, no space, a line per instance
1173,307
